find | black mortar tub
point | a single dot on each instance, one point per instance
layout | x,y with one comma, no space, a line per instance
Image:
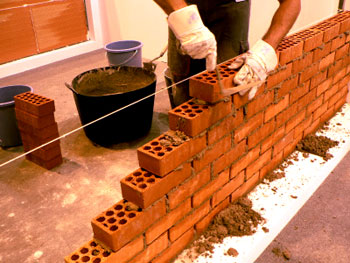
128,123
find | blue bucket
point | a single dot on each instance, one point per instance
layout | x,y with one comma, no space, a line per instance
125,53
9,133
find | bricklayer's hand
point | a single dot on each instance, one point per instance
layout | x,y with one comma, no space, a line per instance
196,39
255,65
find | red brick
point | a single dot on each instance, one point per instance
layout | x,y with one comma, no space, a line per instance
246,187
342,51
224,127
287,139
289,49
258,164
34,104
314,105
275,137
328,114
312,128
299,130
299,92
326,61
321,110
304,62
322,51
144,188
248,127
259,103
167,221
308,73
333,100
228,158
329,28
291,147
261,133
306,100
211,153
47,164
295,121
273,110
285,115
50,131
175,248
339,75
151,251
287,86
227,189
35,121
117,226
244,162
275,162
189,187
334,68
92,251
311,38
317,79
207,191
160,158
189,221
193,118
205,86
323,87
30,142
330,92
240,101
46,153
204,223
280,75
338,42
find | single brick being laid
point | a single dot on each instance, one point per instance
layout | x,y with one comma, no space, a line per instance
166,152
122,222
193,116
205,86
34,104
143,188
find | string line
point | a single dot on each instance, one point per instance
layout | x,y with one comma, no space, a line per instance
94,121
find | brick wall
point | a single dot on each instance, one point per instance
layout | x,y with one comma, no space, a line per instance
233,143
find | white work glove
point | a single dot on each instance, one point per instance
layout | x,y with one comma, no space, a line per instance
258,62
196,39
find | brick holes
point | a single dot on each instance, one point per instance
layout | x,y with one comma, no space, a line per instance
190,109
91,252
157,149
141,179
116,218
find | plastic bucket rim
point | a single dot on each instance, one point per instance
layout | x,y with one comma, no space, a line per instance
124,50
154,76
9,103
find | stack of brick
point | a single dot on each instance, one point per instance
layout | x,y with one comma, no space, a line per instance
37,125
233,143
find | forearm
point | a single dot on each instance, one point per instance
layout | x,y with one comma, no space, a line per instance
169,6
282,21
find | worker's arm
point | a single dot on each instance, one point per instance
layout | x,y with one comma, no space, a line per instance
169,6
282,21
185,22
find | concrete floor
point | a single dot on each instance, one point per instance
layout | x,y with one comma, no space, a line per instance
46,214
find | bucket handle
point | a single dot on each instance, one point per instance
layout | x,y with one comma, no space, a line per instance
126,61
70,87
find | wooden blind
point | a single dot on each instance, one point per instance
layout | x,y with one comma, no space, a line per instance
29,27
